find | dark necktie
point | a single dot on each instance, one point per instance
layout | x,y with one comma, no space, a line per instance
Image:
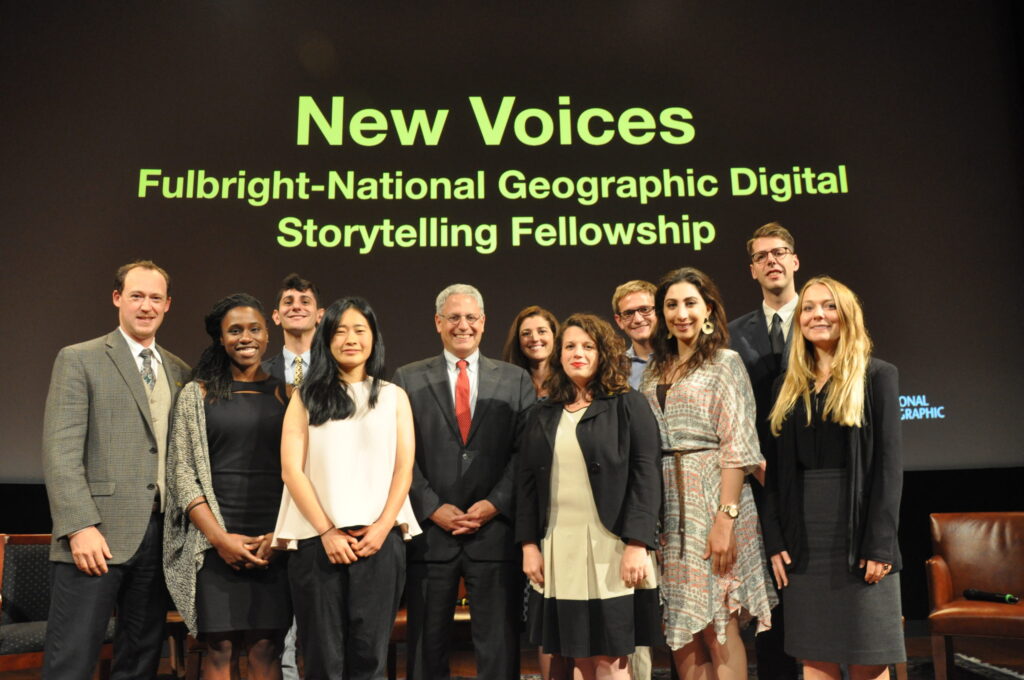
148,375
462,413
777,338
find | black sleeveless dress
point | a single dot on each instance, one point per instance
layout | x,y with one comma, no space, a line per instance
244,436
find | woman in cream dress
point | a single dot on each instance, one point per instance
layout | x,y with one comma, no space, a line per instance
588,493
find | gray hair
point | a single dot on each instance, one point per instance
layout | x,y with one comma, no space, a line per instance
458,289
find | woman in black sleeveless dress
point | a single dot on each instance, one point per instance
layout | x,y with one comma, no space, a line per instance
224,482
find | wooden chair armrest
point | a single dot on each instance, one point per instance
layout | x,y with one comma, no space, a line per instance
940,582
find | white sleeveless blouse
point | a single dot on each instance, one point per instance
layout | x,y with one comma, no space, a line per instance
350,464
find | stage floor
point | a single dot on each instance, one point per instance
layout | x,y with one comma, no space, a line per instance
1006,654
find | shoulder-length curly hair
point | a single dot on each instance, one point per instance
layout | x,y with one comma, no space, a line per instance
844,403
612,374
213,369
665,345
513,351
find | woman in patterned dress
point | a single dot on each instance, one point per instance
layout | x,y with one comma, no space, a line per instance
713,573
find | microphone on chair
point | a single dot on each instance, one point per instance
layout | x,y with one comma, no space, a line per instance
1005,598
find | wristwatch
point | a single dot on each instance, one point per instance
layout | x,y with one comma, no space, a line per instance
731,509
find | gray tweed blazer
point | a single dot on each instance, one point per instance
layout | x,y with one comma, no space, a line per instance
99,449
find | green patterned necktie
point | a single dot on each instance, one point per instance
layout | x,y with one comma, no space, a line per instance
148,376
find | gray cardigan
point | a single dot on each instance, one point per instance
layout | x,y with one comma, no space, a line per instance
188,477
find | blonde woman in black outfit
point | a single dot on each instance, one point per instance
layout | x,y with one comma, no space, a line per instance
833,495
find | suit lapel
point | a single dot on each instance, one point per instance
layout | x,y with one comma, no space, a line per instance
549,416
486,387
597,407
275,367
757,331
789,342
175,377
440,387
117,350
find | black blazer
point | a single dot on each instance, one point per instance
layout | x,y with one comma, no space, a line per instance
748,335
446,471
275,366
619,439
875,467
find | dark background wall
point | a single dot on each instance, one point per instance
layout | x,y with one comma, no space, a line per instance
921,105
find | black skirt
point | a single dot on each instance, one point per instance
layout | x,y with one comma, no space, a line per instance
247,599
831,613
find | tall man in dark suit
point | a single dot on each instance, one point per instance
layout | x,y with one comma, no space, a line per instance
297,311
468,410
104,447
762,338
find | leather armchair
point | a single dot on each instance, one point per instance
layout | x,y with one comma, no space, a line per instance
982,550
25,603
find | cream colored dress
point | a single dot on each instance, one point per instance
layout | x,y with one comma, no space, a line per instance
587,608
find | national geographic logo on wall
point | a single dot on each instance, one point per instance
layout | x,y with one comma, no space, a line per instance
917,407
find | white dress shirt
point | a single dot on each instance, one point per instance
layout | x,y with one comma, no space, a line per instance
473,369
289,364
136,349
786,312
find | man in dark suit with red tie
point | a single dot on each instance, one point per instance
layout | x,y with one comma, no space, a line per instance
762,338
468,410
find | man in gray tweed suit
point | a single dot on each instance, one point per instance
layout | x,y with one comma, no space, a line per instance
104,445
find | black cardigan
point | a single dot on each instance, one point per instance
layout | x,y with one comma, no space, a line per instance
622,450
875,477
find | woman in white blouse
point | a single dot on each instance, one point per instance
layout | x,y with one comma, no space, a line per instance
347,450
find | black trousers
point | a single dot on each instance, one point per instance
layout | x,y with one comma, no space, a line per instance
81,606
495,591
345,612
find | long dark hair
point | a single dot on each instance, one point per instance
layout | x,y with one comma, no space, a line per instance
612,374
323,392
513,351
666,348
214,366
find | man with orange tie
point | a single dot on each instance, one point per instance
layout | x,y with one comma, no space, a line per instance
468,410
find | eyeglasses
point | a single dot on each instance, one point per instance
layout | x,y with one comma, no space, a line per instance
778,253
456,319
628,314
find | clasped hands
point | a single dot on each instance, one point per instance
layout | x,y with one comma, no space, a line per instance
457,523
345,546
244,552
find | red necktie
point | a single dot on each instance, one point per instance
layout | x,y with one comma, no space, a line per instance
462,413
